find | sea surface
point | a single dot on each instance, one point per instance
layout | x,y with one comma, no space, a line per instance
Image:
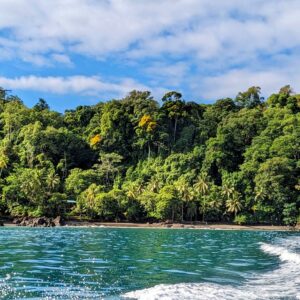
106,263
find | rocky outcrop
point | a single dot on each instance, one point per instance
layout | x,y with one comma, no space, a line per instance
39,222
168,222
1,223
59,221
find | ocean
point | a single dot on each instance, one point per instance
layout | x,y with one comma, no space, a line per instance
120,263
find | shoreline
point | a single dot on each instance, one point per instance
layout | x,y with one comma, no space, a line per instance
210,226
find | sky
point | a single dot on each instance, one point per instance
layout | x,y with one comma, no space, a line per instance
81,52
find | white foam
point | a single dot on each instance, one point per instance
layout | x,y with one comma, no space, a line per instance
281,283
190,291
208,291
283,253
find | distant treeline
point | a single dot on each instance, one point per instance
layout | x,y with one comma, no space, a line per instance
137,159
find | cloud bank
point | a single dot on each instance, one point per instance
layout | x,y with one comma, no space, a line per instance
206,48
73,84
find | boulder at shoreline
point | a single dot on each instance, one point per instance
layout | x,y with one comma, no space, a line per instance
39,222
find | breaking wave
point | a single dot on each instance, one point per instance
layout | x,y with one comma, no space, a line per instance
283,253
281,283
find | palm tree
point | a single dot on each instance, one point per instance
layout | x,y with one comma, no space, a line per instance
201,186
154,185
234,204
32,186
52,180
227,191
214,201
192,206
260,194
134,189
90,198
182,188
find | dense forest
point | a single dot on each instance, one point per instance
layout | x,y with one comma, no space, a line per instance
138,159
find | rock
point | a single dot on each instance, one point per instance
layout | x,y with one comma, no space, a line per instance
20,221
1,223
34,222
43,222
23,221
16,221
168,222
59,221
39,221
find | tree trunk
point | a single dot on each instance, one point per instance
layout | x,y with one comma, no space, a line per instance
173,213
107,178
175,129
149,150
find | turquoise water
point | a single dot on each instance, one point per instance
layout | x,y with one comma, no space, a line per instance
103,263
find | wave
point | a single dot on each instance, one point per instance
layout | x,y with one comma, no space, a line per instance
281,283
284,254
189,291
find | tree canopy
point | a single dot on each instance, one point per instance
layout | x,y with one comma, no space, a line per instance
138,160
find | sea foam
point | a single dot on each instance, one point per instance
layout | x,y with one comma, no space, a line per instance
284,254
189,291
281,283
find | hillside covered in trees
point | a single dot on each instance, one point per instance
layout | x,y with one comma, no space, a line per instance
138,159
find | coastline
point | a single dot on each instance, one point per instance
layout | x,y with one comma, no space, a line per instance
210,226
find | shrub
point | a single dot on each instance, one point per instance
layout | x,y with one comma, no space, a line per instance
18,210
241,219
290,213
36,212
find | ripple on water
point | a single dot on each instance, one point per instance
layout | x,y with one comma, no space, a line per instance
92,263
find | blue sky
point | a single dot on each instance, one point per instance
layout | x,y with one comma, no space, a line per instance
80,52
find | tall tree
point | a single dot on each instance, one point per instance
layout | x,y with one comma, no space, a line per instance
249,98
201,186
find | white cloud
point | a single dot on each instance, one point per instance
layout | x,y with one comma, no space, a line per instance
234,81
99,28
62,58
229,45
88,27
170,74
73,84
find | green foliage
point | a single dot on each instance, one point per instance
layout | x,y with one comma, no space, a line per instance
250,98
108,205
167,206
132,159
290,213
79,180
225,152
240,219
41,105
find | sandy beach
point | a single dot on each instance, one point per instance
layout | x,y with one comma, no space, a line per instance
211,226
183,226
